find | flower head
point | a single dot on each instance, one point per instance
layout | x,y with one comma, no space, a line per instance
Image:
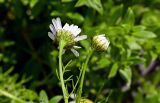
100,42
67,33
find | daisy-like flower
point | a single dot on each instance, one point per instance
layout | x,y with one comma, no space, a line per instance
100,42
68,33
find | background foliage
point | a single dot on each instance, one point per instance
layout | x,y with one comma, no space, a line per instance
128,73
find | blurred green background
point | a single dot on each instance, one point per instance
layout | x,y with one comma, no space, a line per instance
128,72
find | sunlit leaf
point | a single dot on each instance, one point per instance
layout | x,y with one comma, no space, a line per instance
129,17
43,97
80,3
66,0
113,70
33,3
126,73
144,34
56,99
75,16
95,4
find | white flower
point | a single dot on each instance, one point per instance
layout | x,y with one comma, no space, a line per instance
69,33
100,42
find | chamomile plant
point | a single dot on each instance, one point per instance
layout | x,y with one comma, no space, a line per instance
66,37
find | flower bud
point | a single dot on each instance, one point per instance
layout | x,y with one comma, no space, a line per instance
100,42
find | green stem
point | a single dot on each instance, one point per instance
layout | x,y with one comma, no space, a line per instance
65,94
11,96
84,67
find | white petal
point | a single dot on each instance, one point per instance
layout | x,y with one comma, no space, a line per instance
79,38
76,47
51,35
101,35
75,52
71,28
74,29
52,29
72,102
102,39
58,23
66,26
77,32
73,96
55,24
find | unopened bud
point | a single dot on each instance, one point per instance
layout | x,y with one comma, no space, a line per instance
100,42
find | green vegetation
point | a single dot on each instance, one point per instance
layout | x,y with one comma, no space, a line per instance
128,72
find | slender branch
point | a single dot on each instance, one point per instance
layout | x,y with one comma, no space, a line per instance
11,96
65,94
76,84
84,67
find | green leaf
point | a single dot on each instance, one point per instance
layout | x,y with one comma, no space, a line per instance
56,99
7,43
96,4
75,16
134,46
129,17
80,3
1,1
56,13
139,28
127,75
66,0
116,14
33,3
144,34
116,30
113,71
43,97
135,60
85,44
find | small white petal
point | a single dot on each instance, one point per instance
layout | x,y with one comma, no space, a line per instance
58,23
51,36
79,38
77,32
72,102
73,96
75,52
76,47
71,28
66,26
55,24
101,39
52,29
74,29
